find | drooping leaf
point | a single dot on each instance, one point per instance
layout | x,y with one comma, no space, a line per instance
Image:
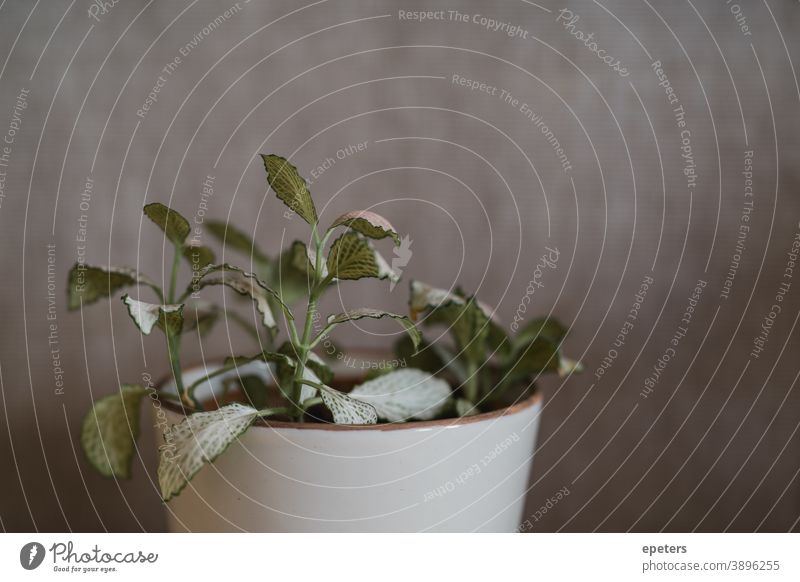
290,187
367,223
363,312
353,257
230,236
87,284
467,320
406,394
548,328
424,298
347,410
198,256
540,355
175,226
146,315
110,429
424,358
499,343
200,439
243,283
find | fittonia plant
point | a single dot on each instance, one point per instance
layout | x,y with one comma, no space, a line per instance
300,379
491,368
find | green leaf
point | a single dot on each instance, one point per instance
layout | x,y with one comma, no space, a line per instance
353,257
87,284
301,259
541,355
284,276
363,312
110,429
467,320
243,283
200,439
320,368
198,256
175,226
367,223
200,314
403,395
547,328
422,358
146,315
254,390
290,187
230,236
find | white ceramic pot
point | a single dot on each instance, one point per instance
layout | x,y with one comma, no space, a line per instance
468,474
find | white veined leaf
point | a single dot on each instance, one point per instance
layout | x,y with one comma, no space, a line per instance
146,315
353,257
407,394
367,223
290,187
197,440
347,410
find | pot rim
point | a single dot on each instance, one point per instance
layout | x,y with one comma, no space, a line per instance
515,408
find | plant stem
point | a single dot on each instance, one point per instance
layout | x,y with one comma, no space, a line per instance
174,341
472,385
303,347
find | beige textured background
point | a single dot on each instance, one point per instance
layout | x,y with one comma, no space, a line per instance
475,185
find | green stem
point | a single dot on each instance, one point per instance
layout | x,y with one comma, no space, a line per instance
472,385
174,341
303,346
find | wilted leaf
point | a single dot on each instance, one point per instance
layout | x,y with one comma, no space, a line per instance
363,312
87,284
175,226
405,394
243,283
290,187
110,429
367,223
353,257
199,439
145,315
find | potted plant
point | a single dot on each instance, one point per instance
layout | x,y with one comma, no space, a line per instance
282,440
